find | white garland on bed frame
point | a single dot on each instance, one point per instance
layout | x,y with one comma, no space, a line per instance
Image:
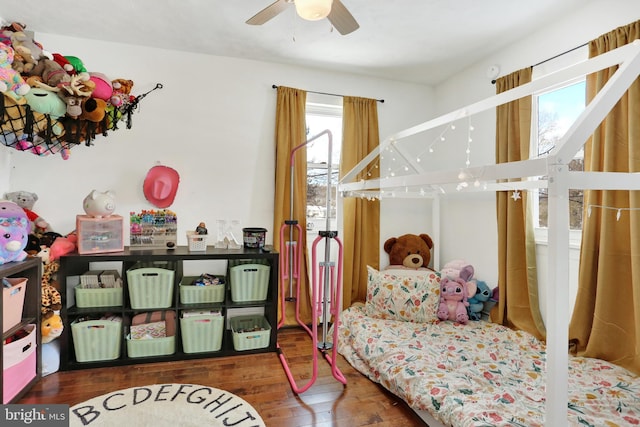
505,176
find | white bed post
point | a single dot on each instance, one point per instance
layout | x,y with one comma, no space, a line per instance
435,225
557,298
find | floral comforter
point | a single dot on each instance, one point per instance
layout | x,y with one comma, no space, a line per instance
481,374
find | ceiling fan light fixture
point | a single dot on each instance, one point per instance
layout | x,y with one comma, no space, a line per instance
313,10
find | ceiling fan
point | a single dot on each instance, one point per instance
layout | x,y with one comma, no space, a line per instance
311,10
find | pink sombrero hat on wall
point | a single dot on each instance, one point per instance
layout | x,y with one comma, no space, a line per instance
160,186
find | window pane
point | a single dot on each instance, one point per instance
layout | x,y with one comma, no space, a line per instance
557,111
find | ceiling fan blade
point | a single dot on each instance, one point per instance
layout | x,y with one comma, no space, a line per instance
341,18
268,12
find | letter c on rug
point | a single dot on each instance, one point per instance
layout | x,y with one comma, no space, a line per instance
105,404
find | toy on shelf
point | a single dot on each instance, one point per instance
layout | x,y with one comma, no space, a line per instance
26,200
99,204
14,232
202,228
153,229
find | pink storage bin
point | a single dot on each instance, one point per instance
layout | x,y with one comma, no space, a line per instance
12,303
18,364
99,235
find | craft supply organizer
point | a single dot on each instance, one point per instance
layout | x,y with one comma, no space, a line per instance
153,280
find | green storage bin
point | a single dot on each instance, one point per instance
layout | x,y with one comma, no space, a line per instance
96,340
98,297
190,294
151,347
249,282
202,333
150,287
245,337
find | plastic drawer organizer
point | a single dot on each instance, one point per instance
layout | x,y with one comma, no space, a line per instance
98,235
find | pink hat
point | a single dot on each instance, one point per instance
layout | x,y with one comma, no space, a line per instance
160,186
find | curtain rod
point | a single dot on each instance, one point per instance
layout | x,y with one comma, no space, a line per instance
325,93
560,54
553,57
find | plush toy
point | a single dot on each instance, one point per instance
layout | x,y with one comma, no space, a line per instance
93,109
14,232
46,101
459,268
121,95
51,326
453,300
409,251
26,200
477,302
11,82
62,246
103,87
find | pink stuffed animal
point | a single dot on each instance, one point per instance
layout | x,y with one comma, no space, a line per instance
453,300
10,80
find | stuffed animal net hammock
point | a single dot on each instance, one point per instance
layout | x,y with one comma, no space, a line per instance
40,134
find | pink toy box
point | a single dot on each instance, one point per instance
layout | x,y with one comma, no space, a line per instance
18,364
98,235
12,303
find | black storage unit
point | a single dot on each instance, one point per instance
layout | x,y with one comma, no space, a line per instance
73,265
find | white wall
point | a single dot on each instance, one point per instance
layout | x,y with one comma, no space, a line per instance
213,122
468,228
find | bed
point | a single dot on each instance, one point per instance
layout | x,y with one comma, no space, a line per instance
450,371
478,374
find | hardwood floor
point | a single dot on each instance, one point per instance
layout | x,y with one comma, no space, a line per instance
257,378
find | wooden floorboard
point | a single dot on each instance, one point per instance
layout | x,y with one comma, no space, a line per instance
257,378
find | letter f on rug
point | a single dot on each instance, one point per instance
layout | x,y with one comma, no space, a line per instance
169,405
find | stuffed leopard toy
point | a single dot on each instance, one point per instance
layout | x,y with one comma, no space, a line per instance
50,298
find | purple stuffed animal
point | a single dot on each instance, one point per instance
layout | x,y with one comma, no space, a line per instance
14,232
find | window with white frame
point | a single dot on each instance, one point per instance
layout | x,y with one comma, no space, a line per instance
321,117
555,111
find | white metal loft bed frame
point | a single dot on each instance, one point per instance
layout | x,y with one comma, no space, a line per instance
519,175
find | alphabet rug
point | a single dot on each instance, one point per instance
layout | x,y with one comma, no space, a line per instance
165,405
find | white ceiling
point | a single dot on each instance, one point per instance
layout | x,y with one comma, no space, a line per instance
421,41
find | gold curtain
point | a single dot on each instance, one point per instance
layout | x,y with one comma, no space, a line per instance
361,218
290,133
606,318
518,305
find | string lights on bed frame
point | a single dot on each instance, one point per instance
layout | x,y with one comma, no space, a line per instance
618,210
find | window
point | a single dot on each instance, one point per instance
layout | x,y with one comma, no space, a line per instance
321,117
556,111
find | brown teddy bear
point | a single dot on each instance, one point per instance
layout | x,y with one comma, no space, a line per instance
409,251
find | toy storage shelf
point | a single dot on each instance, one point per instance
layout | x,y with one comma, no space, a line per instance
31,269
74,265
